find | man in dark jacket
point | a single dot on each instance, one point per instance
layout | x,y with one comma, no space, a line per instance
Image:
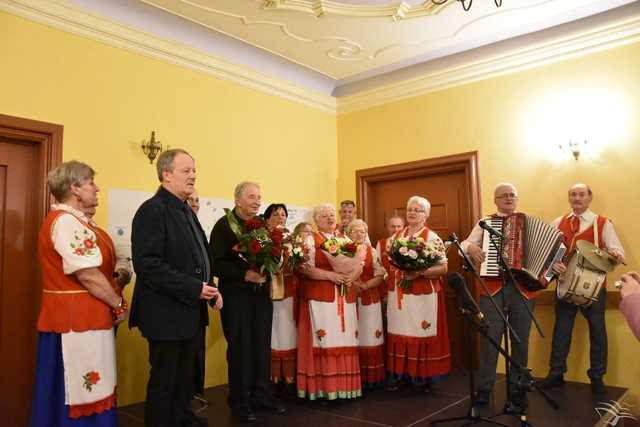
173,267
246,317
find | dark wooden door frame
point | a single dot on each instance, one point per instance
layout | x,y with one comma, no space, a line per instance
48,139
466,162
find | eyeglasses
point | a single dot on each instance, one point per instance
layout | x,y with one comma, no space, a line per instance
507,196
411,210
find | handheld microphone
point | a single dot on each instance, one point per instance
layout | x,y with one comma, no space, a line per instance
456,281
483,224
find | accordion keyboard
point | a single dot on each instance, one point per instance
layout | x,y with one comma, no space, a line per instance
491,265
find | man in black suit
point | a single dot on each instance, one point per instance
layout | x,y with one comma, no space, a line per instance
247,314
173,267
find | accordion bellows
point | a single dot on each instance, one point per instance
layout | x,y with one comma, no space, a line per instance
530,247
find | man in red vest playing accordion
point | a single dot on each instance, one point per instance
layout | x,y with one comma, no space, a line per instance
509,298
582,224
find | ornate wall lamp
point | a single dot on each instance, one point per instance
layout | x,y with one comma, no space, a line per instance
574,146
151,148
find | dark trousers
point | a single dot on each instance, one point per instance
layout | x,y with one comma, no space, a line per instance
510,300
565,318
246,323
170,386
198,372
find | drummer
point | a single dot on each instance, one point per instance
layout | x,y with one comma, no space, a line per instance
581,224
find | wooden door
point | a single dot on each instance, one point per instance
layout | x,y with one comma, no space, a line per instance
451,186
25,155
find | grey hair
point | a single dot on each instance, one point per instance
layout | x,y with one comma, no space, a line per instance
63,176
581,185
166,160
424,203
506,184
357,223
317,211
237,192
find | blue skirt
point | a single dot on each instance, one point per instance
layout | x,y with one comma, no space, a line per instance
48,408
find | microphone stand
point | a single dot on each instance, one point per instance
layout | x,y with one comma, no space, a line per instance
526,381
473,416
524,373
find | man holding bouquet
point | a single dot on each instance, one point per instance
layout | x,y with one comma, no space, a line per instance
246,316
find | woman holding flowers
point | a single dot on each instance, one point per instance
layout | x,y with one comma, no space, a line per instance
284,329
417,334
328,365
370,330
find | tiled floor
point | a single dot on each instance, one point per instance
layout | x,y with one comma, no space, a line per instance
408,407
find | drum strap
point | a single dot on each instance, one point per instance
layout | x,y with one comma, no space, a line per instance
596,239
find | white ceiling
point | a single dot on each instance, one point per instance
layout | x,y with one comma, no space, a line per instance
341,47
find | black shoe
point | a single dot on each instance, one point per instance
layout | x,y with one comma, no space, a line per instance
194,420
482,397
244,414
551,380
269,406
597,386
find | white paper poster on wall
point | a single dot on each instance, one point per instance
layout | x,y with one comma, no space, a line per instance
123,205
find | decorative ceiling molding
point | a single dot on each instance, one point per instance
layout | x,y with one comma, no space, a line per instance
575,45
393,10
347,50
76,21
456,31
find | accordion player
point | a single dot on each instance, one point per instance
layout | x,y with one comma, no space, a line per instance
530,247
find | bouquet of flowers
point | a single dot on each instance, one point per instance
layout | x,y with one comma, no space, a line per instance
345,257
414,254
295,251
260,247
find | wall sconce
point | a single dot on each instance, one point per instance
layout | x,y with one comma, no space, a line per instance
574,146
151,148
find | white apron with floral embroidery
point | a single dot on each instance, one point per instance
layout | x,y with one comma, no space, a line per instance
89,360
327,323
370,325
284,331
417,317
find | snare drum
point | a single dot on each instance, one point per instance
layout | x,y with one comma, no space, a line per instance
581,283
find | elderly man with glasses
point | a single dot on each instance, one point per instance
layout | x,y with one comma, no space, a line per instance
509,298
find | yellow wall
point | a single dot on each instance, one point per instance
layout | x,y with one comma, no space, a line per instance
514,122
109,99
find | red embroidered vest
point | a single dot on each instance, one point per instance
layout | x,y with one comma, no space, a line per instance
421,285
369,296
66,304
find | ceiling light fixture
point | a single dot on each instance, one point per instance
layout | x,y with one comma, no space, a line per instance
466,4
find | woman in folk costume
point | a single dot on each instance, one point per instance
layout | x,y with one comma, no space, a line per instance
76,364
370,330
328,364
284,330
417,332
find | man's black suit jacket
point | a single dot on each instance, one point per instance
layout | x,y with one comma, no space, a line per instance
167,259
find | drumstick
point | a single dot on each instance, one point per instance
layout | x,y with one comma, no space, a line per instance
613,257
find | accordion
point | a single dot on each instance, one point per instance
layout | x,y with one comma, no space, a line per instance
530,247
